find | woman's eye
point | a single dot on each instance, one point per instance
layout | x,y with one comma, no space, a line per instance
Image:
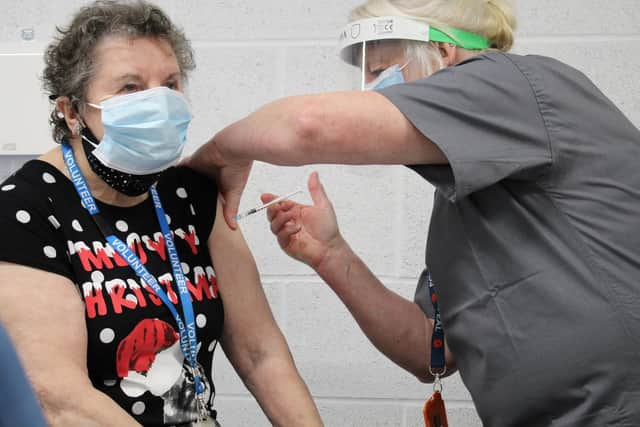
130,87
172,85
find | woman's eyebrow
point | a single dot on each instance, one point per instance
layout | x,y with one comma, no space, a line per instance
132,77
128,77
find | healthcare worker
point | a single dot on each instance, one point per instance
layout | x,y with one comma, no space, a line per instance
533,247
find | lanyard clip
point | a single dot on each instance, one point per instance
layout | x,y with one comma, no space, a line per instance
437,384
437,378
203,412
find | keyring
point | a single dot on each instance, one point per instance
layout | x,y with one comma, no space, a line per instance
437,382
433,374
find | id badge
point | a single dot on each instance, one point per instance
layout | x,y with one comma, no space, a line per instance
209,422
434,412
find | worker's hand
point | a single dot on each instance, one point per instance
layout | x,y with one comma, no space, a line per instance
230,174
306,233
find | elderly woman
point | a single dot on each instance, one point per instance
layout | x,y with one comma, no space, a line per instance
533,248
119,277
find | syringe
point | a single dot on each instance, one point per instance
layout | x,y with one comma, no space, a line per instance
266,205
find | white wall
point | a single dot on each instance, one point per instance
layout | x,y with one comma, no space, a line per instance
252,51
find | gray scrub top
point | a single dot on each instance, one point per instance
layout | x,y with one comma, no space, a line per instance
534,239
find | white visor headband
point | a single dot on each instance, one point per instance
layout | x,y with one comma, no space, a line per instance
380,28
401,28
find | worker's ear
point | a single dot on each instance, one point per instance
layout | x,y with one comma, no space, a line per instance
448,53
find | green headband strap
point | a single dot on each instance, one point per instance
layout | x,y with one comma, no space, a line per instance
460,38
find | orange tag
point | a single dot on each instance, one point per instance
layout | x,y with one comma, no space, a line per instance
434,412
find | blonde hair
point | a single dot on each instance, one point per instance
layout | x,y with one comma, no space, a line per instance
493,19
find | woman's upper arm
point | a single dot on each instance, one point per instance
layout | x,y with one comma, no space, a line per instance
248,322
44,316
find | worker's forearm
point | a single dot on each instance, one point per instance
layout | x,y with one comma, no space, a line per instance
396,326
307,129
276,134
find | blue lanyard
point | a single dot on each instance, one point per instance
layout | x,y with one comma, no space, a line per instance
437,366
187,329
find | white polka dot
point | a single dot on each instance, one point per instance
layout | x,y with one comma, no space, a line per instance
201,320
193,211
110,383
48,178
131,298
23,216
168,218
185,268
50,251
97,277
54,221
212,346
182,193
76,226
138,408
107,335
8,187
122,226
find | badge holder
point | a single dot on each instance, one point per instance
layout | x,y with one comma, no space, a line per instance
204,417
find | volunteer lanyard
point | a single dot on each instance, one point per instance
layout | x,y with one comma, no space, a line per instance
437,367
187,329
435,414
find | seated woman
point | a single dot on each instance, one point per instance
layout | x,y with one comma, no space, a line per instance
115,265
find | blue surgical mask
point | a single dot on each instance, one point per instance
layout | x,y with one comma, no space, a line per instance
144,132
391,76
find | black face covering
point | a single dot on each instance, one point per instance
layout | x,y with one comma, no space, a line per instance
126,183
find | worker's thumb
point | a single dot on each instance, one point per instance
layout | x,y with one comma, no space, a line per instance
316,190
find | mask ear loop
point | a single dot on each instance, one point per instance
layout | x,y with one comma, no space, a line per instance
96,106
81,124
77,128
364,64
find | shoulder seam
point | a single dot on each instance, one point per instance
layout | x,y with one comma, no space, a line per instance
538,102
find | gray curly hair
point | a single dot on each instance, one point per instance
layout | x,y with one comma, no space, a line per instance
69,59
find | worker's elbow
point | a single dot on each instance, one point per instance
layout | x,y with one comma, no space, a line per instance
308,126
423,376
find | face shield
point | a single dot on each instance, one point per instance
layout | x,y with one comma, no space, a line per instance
374,45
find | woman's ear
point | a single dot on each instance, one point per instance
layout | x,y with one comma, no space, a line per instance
448,53
71,117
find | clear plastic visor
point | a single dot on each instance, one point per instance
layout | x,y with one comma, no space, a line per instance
367,43
375,44
374,57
